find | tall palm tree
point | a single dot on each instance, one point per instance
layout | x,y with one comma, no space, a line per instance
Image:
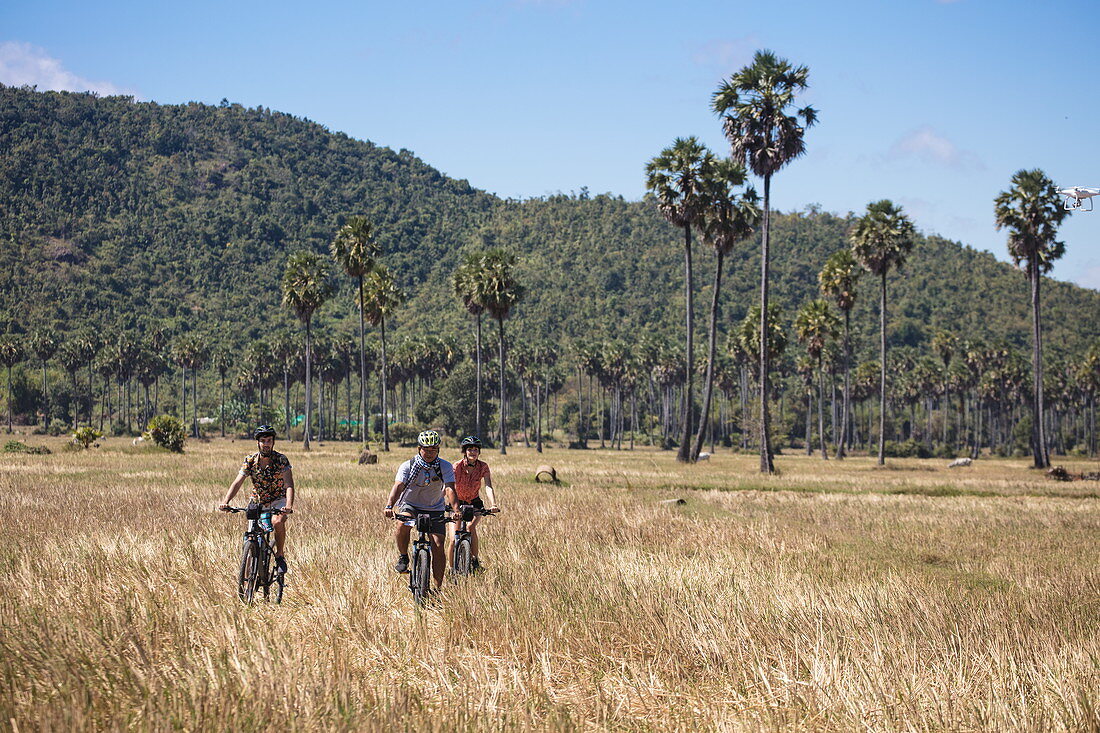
881,240
815,326
1031,212
12,352
764,129
945,344
306,287
466,284
838,279
221,360
499,292
729,218
677,178
382,296
355,250
43,344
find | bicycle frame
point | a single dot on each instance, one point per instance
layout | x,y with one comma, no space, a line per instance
420,559
460,549
257,544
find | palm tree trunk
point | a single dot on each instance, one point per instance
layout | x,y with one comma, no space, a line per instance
821,411
503,425
767,464
1039,436
704,417
846,405
882,376
9,398
477,380
221,407
45,398
683,455
362,369
309,388
385,389
538,418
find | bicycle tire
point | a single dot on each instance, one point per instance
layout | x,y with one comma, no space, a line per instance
279,582
422,577
461,564
267,577
249,572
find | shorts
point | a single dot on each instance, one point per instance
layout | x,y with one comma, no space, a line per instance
439,523
279,503
476,503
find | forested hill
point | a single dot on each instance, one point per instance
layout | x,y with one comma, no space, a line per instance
116,212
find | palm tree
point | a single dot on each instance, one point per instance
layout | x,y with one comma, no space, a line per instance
306,287
499,292
382,296
11,353
1031,211
43,344
816,325
763,129
881,240
221,360
727,220
838,279
945,345
466,283
355,250
677,177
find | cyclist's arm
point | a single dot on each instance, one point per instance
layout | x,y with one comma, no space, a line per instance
288,482
395,492
233,489
451,497
489,493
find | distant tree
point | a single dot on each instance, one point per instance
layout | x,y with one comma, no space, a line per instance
355,250
881,241
756,106
306,287
816,326
944,344
382,298
43,343
838,280
500,291
677,178
727,219
222,361
12,352
467,281
1031,212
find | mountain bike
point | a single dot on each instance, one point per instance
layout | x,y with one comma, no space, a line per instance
258,571
461,551
420,559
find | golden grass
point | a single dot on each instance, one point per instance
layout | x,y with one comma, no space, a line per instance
836,596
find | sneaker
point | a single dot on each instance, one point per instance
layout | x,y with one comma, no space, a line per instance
280,565
402,565
475,565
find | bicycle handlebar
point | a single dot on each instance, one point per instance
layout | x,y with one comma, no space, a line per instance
235,509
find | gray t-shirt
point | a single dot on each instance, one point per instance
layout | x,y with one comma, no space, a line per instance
424,490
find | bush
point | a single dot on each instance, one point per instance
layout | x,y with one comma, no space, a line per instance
404,433
167,432
85,436
15,446
906,449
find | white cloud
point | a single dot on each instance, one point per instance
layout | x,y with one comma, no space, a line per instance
23,64
929,146
726,55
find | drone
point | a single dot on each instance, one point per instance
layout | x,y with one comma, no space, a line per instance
1077,196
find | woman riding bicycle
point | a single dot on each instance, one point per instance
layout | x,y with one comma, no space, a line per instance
425,484
470,473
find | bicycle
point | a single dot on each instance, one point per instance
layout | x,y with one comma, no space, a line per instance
420,560
461,551
258,558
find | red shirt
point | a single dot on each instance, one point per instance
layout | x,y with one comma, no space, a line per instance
468,479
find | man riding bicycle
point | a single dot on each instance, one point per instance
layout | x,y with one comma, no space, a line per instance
470,473
425,484
272,486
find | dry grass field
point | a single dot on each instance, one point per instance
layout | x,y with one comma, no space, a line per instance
836,596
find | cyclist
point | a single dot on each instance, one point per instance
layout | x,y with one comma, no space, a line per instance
425,484
272,485
470,472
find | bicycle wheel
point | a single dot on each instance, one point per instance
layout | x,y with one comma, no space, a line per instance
421,578
279,582
461,564
267,576
249,572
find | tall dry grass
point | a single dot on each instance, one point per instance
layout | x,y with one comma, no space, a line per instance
836,596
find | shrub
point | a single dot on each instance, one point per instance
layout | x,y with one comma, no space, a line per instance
15,446
85,436
906,449
167,432
404,433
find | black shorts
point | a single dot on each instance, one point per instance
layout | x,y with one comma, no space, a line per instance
477,503
439,524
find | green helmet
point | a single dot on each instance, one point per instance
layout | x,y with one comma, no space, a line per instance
428,439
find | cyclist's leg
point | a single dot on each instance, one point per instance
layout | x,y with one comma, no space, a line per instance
401,537
439,559
473,535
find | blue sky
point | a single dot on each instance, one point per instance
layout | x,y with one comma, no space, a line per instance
933,104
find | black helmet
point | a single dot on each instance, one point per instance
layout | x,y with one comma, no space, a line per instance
264,431
468,441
